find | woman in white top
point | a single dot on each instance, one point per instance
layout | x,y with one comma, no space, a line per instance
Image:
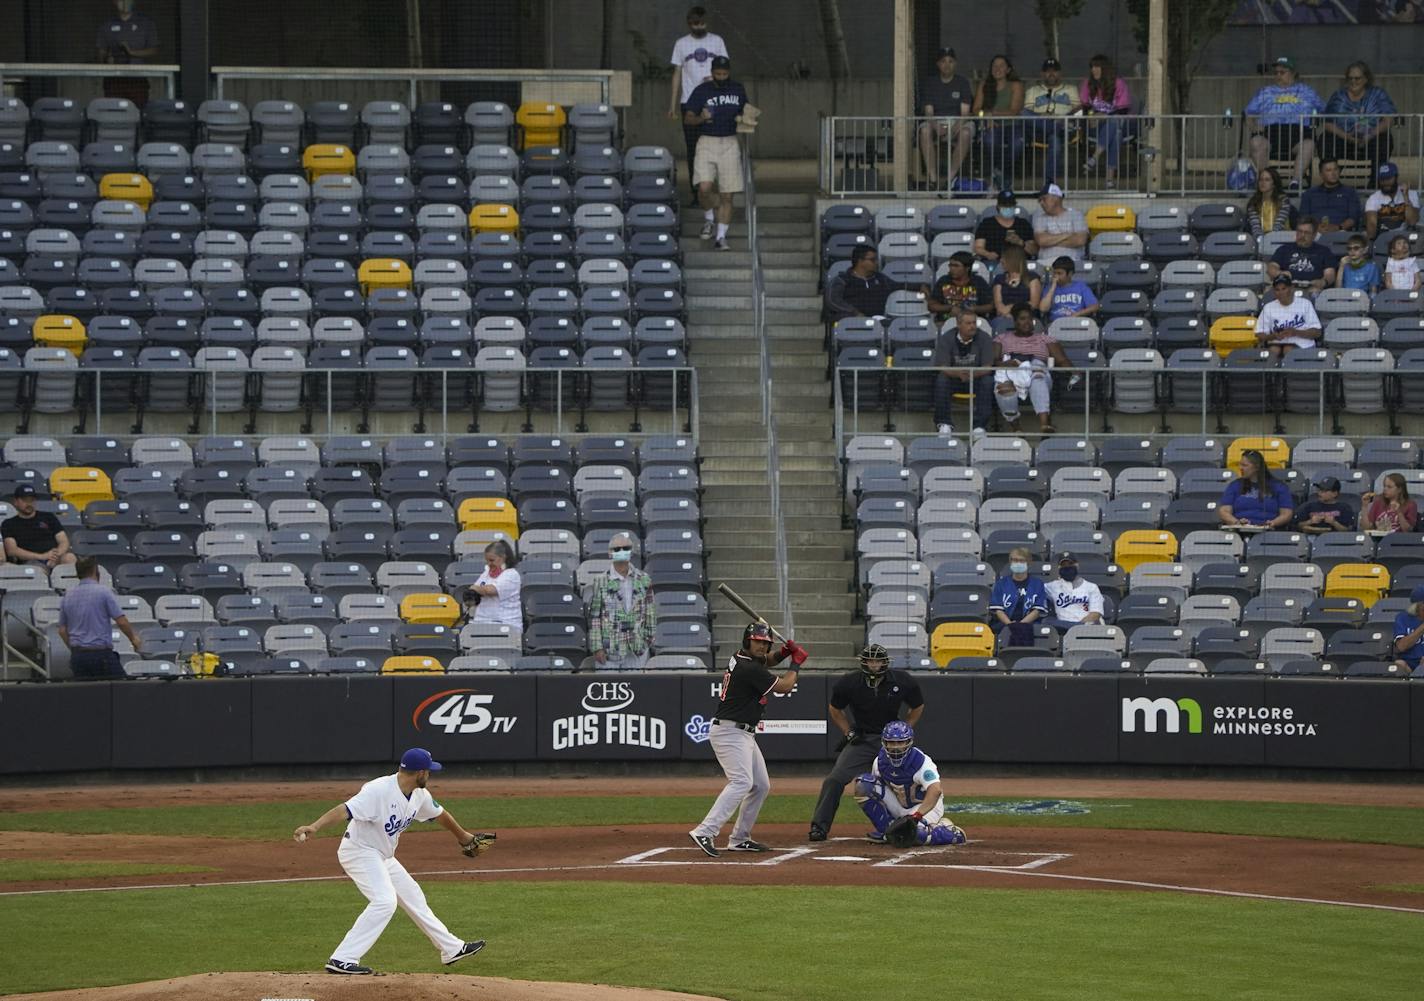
499,588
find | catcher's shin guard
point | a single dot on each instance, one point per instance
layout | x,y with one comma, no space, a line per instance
943,833
869,792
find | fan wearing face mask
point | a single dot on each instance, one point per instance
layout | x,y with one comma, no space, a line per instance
1073,600
1018,600
621,614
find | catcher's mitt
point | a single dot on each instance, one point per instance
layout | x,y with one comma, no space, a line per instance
901,832
477,845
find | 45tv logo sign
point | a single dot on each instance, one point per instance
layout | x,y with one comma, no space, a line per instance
461,710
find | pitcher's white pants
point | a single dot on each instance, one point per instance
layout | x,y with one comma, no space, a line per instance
747,783
385,884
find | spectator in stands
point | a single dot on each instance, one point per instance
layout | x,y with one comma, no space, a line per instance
1335,206
126,39
1058,230
1021,355
1408,646
1105,96
1018,600
1361,129
1391,510
34,537
1065,295
945,95
1327,511
1014,283
1391,206
85,615
1401,268
1280,115
1287,321
863,289
1073,600
1051,101
621,615
959,348
692,61
1005,228
1357,269
1000,95
715,106
499,588
1309,264
1257,497
960,289
1269,210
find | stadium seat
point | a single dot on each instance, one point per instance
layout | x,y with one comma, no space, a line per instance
953,640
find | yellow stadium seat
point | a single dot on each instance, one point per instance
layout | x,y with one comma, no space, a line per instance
1110,219
78,485
1144,545
56,330
412,665
320,159
1274,450
383,272
1228,333
1366,582
433,609
489,513
127,188
951,640
542,124
491,217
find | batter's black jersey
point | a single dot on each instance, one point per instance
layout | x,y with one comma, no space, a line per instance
745,687
872,708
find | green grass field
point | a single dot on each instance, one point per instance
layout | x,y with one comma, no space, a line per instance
32,870
780,943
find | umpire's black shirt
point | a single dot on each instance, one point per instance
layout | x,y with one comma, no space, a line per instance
872,708
745,687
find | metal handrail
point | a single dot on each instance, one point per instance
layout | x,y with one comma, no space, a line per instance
414,77
768,416
168,72
7,650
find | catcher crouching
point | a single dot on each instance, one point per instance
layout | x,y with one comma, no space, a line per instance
901,794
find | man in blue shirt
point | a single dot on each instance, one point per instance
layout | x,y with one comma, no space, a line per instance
715,106
84,617
1310,265
1018,599
1066,296
1282,114
1409,632
1335,206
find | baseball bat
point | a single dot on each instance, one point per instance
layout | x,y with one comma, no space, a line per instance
737,600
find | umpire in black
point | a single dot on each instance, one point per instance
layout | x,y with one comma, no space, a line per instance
873,695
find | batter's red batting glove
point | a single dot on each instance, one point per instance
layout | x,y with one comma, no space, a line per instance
795,651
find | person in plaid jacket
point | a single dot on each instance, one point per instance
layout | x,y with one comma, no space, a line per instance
621,613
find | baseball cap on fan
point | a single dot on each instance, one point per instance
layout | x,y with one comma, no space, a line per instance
418,759
721,63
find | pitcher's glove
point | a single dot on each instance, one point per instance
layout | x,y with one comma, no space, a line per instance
477,845
901,832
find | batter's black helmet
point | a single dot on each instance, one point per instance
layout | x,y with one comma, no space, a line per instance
870,653
756,631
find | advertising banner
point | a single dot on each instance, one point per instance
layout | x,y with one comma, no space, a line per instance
793,727
1334,723
946,728
1046,719
351,721
1191,721
194,724
469,717
609,717
55,728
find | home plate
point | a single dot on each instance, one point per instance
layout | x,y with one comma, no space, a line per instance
840,858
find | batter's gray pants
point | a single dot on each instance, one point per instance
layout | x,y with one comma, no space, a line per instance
747,783
853,760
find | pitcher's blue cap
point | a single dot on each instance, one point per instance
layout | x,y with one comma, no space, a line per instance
418,759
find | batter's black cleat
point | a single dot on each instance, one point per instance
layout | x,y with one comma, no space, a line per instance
468,949
876,838
747,846
347,969
708,848
818,833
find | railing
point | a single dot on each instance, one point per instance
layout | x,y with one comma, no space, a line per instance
444,411
8,650
611,85
167,72
1104,153
1095,404
768,416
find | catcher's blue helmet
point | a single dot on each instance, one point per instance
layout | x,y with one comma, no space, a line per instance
897,738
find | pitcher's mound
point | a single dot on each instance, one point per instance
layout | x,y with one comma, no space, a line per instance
325,987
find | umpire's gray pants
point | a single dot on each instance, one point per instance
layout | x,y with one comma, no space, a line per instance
747,783
853,760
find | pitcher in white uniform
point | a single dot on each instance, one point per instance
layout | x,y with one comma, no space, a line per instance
377,814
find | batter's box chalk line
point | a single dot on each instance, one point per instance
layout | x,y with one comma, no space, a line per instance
968,856
775,856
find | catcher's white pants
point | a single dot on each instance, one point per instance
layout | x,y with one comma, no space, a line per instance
385,884
747,783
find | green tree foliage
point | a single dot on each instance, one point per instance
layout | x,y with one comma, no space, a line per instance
1051,13
1191,24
